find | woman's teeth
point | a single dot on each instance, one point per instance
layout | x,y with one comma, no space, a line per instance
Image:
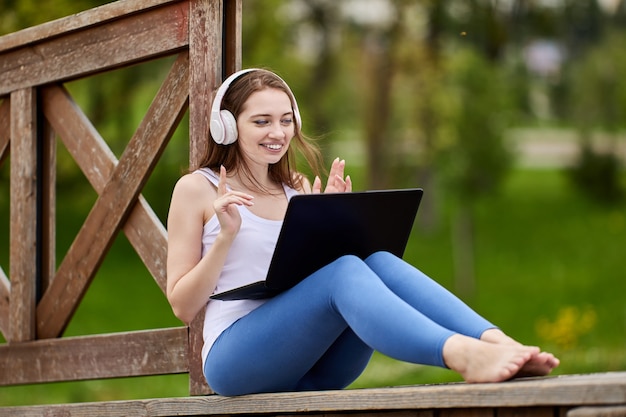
274,147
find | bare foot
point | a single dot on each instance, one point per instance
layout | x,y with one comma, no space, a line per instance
481,361
539,364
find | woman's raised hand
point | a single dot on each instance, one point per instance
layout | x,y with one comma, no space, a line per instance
225,206
337,183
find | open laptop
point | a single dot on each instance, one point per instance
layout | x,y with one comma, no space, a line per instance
319,228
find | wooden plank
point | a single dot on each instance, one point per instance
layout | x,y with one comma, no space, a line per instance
143,228
233,13
467,412
5,292
113,205
23,251
586,390
47,206
5,129
5,285
151,352
526,412
156,32
148,236
619,411
197,382
97,15
205,59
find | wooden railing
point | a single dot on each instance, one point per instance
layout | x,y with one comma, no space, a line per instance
37,298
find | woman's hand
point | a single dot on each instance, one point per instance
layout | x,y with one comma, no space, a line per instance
336,181
225,206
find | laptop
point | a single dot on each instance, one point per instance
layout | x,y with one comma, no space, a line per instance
319,228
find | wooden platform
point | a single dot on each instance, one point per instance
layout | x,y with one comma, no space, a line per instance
571,395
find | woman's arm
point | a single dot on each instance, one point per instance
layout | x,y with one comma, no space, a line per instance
192,278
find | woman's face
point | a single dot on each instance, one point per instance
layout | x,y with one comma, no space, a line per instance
266,126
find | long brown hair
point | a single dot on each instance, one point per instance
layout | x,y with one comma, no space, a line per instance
230,156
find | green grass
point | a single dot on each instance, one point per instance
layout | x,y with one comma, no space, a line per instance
549,270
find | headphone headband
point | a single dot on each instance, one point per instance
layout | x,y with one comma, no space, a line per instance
223,124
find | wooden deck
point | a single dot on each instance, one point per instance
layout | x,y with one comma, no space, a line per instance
572,395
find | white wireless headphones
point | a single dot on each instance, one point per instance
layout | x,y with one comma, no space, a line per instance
223,124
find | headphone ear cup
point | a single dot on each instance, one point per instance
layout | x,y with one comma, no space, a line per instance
230,127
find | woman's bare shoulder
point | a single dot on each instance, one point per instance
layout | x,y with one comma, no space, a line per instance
193,183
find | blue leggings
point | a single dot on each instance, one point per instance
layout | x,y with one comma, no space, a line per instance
321,334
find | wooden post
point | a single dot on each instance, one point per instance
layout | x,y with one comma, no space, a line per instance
23,252
213,54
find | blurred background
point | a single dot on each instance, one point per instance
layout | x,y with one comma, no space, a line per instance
511,114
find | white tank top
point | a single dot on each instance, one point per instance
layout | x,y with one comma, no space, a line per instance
247,261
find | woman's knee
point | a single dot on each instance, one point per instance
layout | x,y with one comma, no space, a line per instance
380,256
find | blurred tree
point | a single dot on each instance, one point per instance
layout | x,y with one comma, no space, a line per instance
474,156
598,104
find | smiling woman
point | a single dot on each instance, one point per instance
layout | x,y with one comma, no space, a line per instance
223,225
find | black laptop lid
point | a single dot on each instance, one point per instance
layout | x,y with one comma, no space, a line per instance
319,228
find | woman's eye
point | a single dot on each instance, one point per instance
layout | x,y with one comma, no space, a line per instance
287,121
261,122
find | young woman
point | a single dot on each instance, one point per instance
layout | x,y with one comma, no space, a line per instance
223,224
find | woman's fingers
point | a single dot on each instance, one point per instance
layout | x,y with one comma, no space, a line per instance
317,185
336,182
348,184
221,187
233,197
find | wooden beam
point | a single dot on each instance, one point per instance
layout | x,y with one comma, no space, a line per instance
143,228
113,205
233,12
5,128
23,252
47,205
79,21
205,59
617,411
156,32
206,32
519,397
149,352
5,293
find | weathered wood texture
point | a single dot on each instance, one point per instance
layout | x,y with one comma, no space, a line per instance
23,252
122,188
598,412
551,397
96,48
99,356
37,300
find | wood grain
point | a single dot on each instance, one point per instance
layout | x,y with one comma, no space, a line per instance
23,227
519,397
112,206
143,228
135,37
149,352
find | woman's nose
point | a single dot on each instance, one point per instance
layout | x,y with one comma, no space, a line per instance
277,131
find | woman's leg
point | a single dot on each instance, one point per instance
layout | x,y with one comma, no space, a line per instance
277,346
446,309
426,295
286,343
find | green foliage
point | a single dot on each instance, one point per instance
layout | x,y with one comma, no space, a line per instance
598,103
598,97
475,119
